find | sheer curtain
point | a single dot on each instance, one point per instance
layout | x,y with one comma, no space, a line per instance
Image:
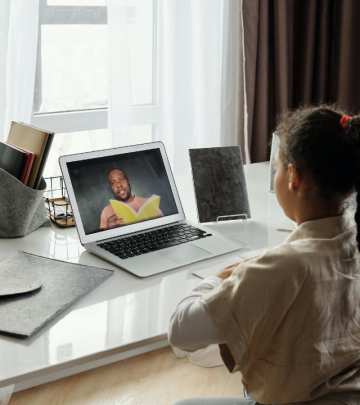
18,44
4,29
199,84
198,59
120,102
232,75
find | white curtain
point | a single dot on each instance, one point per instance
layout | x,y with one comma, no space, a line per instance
4,28
233,102
18,44
198,70
120,115
199,73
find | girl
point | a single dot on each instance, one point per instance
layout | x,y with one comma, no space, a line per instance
289,320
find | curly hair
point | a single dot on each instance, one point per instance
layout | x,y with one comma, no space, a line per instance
312,140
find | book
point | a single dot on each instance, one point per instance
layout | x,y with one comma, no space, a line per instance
34,140
12,159
27,165
149,210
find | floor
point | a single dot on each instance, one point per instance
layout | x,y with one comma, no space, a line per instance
155,378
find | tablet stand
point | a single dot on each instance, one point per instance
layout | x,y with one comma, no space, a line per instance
230,217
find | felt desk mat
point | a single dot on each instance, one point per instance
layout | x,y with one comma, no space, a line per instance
23,279
62,284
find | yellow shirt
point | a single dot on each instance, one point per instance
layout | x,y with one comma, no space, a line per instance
291,318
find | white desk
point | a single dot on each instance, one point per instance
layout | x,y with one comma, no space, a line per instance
125,315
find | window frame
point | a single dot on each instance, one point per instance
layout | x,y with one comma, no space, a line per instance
97,118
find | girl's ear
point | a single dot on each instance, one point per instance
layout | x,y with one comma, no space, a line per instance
294,177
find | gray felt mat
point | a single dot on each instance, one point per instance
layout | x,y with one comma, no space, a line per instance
17,276
62,285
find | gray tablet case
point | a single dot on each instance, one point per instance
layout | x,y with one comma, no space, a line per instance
274,147
219,182
34,290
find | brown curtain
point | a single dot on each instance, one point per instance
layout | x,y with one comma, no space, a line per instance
297,52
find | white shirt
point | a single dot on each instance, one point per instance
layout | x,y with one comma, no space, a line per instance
291,317
191,326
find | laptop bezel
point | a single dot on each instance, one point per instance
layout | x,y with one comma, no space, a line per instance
128,229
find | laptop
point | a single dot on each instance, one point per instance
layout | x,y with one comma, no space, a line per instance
127,210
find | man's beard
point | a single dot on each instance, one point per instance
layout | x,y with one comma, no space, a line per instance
126,197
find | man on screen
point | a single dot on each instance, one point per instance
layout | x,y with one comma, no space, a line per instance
121,188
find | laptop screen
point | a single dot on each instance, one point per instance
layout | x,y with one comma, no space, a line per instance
121,190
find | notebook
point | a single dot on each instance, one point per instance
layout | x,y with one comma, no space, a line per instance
30,156
12,160
34,140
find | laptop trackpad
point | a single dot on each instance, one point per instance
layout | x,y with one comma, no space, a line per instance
183,254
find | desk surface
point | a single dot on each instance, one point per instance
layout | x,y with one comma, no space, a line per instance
123,313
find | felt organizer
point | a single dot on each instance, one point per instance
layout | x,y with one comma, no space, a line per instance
34,290
274,147
22,208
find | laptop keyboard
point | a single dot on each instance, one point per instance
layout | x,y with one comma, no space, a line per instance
152,241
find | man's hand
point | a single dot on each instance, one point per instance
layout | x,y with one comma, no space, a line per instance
114,221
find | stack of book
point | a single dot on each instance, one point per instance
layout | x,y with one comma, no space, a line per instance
25,152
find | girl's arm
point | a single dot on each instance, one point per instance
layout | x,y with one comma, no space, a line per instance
191,325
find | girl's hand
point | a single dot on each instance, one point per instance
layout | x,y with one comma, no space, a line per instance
227,272
251,258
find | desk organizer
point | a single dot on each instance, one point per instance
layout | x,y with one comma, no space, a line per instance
274,147
22,208
57,203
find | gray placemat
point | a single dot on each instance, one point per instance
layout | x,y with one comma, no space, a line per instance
219,182
62,285
274,147
17,276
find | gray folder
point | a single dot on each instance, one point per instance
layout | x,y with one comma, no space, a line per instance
34,290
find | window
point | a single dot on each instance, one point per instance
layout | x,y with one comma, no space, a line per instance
71,85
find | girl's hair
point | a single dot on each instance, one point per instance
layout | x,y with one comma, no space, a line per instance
312,139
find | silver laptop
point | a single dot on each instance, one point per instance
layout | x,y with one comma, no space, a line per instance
128,211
